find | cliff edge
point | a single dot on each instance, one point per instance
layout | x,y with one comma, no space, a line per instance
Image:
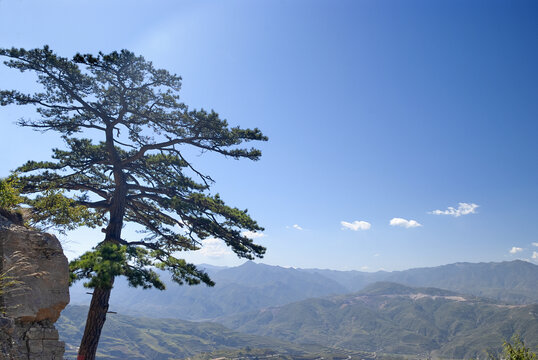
34,291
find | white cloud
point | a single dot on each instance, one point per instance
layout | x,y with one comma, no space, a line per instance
535,254
214,248
404,223
535,244
253,234
356,225
364,267
295,226
463,209
515,250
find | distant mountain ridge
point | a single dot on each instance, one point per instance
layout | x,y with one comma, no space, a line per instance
393,318
253,286
510,281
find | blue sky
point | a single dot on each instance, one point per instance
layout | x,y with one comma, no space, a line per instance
375,110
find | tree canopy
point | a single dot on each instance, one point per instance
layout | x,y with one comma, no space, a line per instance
125,132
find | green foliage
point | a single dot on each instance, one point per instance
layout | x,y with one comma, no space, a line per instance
52,208
48,209
100,265
515,349
9,194
108,260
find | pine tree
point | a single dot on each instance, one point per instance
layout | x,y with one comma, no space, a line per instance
126,132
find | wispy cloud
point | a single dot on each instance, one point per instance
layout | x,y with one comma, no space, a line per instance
214,248
404,223
535,254
515,250
535,244
294,226
356,225
463,209
253,234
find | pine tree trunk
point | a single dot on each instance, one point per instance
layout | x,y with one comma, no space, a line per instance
94,323
101,295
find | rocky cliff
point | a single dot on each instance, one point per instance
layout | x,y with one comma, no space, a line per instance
34,289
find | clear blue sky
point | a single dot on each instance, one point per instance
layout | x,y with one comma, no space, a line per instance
375,110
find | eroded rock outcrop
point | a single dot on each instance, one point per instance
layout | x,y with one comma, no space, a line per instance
32,305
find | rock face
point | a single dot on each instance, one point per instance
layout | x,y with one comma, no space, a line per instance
31,305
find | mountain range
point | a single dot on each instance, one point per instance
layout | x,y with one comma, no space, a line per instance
253,286
510,281
396,319
384,321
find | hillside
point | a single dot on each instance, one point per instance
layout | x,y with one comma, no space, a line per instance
135,338
252,286
392,318
385,317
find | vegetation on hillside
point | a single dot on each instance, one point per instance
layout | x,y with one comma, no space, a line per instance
396,319
135,338
390,320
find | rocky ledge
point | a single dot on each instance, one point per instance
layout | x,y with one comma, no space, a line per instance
31,305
